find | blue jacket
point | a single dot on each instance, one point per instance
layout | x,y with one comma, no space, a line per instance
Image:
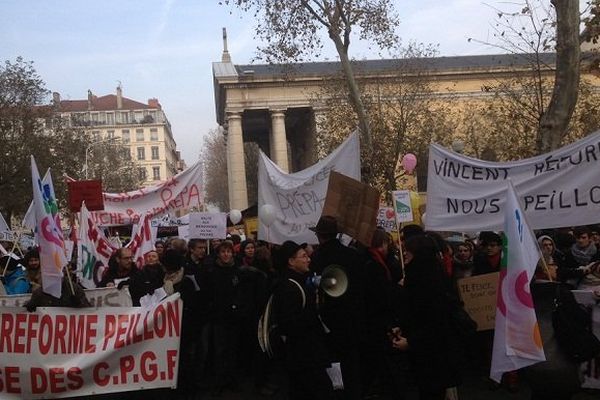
16,282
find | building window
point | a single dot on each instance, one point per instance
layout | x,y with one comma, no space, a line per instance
154,134
142,173
139,116
141,153
155,152
156,173
95,118
139,135
125,136
126,154
95,136
110,118
125,117
110,134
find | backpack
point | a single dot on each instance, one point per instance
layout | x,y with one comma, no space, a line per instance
573,328
270,338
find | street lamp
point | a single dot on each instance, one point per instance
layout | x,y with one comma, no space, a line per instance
89,148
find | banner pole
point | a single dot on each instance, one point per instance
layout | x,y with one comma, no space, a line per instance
400,249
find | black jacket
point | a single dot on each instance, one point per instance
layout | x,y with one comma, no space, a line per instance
145,282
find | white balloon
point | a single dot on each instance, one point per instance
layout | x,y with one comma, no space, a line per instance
235,216
267,215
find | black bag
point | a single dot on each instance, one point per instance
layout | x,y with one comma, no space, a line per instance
572,325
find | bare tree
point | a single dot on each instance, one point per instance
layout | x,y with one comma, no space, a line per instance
292,31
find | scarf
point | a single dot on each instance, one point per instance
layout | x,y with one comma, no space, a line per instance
379,259
171,279
583,256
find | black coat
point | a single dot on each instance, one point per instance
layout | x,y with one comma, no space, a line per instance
558,376
145,282
225,293
433,344
343,315
304,344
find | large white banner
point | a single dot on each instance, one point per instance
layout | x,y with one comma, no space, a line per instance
298,198
561,188
182,191
66,352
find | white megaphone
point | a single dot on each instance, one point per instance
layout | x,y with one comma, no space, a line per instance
334,281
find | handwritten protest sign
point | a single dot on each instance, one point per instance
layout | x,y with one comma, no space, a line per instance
299,197
208,225
478,294
66,352
560,188
386,219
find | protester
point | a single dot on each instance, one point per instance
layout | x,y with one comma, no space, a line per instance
72,295
225,317
159,245
120,269
488,259
427,334
343,315
463,261
33,268
295,310
246,253
148,279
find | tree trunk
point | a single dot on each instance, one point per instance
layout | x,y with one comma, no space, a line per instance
555,121
355,97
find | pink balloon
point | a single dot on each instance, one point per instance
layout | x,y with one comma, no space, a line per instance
409,162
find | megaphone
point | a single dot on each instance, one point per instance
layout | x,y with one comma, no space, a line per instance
334,281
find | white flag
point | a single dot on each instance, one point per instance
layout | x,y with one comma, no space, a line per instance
48,232
142,241
29,218
517,338
3,225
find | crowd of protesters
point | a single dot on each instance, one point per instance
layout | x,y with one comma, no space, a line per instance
391,329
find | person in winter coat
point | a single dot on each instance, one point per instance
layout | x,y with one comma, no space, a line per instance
427,334
295,310
13,277
72,295
33,268
149,278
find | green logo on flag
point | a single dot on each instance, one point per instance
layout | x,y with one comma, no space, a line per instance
401,207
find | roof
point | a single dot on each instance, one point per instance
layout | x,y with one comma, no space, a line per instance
456,63
102,103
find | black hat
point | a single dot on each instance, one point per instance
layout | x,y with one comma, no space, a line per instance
487,237
326,225
172,260
9,262
287,251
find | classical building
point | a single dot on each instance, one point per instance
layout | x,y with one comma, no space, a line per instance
144,128
274,105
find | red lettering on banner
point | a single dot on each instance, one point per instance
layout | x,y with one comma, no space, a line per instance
160,321
57,380
11,381
148,369
76,334
173,318
5,333
110,328
148,333
20,332
104,248
171,363
75,379
91,331
39,381
60,333
31,329
99,380
46,327
121,331
126,365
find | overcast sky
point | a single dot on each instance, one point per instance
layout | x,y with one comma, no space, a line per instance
164,49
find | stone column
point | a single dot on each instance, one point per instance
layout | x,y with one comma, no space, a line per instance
236,169
279,146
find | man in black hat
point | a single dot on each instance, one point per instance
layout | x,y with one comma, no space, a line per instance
295,310
343,315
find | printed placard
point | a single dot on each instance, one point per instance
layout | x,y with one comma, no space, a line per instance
205,225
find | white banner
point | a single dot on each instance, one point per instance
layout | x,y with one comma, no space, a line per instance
93,250
299,197
561,188
66,352
99,297
182,191
205,225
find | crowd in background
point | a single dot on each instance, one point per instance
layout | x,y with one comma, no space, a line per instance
391,329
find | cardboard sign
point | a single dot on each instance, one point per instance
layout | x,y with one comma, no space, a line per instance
205,225
88,191
355,206
478,294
